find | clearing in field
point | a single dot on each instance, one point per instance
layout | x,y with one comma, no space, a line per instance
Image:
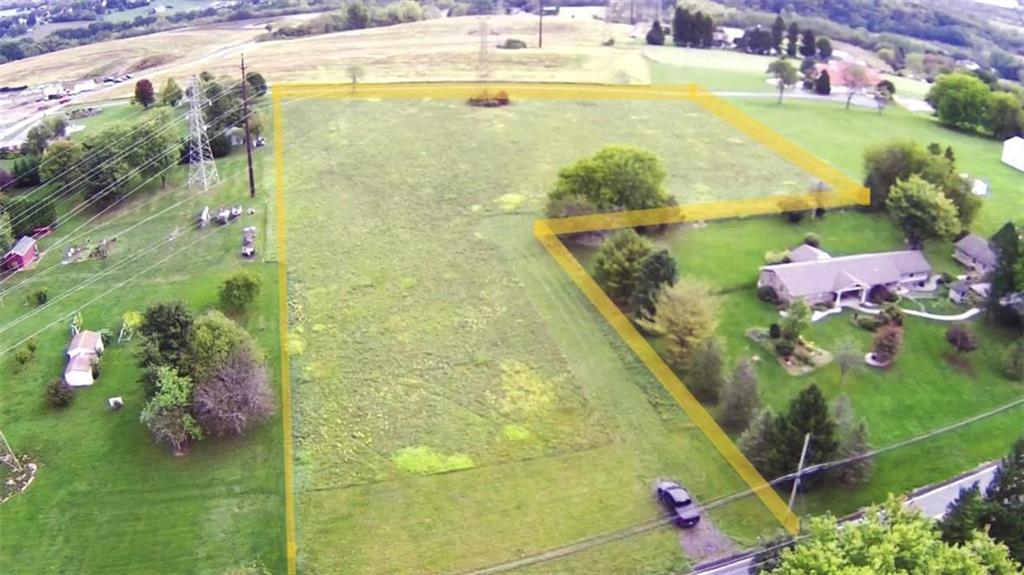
458,404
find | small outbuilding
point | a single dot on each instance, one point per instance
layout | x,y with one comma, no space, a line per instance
78,372
85,342
1013,152
24,252
958,291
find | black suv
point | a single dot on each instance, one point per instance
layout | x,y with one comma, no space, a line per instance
678,502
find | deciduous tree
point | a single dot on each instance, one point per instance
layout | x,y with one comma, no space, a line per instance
824,46
890,540
922,211
62,164
144,95
785,74
797,320
171,93
888,342
962,338
616,177
686,315
848,358
167,413
236,397
656,35
960,100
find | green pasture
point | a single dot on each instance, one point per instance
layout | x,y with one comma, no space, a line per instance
458,403
106,498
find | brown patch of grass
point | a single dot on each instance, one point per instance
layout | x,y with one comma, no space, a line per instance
959,362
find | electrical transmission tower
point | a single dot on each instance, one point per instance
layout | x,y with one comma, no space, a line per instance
485,42
202,170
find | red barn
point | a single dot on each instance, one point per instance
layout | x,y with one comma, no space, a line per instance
22,254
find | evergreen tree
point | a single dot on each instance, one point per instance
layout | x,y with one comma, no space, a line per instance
778,32
807,413
704,371
740,398
1006,496
792,39
656,35
618,263
963,516
681,24
656,271
807,44
1007,245
758,441
824,46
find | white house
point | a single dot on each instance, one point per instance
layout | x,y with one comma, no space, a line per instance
1013,152
78,373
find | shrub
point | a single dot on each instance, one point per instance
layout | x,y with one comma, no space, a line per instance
888,341
21,357
880,294
485,100
40,296
867,322
774,331
784,348
961,338
32,344
768,294
773,258
512,44
812,239
59,394
891,315
239,291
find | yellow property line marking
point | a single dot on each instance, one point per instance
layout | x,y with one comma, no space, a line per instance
838,190
282,311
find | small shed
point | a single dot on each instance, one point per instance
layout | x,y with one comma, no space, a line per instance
235,136
958,291
78,372
1013,152
22,254
85,342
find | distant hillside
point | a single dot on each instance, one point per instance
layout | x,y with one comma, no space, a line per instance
973,29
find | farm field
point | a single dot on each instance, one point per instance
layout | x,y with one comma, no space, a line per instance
457,401
106,499
922,391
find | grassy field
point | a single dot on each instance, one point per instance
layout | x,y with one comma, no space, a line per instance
432,333
923,390
106,499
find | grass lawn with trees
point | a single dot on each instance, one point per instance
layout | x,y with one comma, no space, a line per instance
923,390
106,497
458,402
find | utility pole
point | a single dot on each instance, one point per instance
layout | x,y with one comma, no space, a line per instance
799,470
248,136
540,24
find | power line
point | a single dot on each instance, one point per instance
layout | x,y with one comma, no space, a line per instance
85,204
68,187
715,503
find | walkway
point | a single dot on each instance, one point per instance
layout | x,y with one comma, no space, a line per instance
958,317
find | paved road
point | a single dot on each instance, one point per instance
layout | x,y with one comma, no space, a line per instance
931,501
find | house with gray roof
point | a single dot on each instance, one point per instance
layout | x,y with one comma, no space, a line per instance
975,252
834,279
807,253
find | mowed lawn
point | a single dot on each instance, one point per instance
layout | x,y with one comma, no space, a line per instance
922,391
106,499
430,332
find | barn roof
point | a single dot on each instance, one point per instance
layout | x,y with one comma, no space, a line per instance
79,363
23,246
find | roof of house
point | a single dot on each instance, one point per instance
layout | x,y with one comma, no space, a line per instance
84,339
807,253
978,248
23,246
959,286
79,363
835,274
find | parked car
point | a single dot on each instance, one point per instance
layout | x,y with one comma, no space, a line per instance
679,504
